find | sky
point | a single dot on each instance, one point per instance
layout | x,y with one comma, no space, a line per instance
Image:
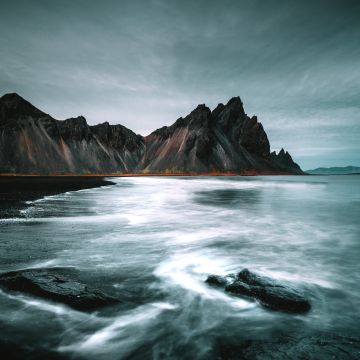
143,64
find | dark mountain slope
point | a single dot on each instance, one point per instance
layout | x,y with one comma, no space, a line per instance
225,139
33,142
222,140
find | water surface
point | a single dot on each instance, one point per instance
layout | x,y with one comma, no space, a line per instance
151,242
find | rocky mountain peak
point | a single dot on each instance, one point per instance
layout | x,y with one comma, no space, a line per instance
234,100
199,117
77,121
200,110
12,97
13,106
201,107
236,104
284,160
219,108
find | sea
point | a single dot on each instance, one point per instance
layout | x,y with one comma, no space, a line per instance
151,242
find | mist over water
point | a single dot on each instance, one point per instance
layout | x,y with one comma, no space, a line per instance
152,241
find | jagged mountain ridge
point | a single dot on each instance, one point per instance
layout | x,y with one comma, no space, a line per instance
224,139
205,141
33,142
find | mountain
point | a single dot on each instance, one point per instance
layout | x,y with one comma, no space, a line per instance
33,142
335,170
205,141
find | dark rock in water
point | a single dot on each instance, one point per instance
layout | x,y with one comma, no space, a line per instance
220,281
216,280
268,292
52,284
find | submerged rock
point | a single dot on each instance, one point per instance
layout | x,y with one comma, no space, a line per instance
220,281
270,293
53,284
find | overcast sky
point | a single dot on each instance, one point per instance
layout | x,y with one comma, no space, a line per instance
295,64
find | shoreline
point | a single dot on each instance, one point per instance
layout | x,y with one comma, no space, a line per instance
16,191
70,175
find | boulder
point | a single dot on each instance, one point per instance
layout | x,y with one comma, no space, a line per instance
56,285
270,293
220,281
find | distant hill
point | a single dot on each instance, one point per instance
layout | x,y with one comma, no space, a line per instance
335,170
205,141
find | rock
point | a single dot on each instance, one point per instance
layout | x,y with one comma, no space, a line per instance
220,281
284,161
53,284
270,293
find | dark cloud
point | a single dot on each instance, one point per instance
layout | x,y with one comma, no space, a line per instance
145,63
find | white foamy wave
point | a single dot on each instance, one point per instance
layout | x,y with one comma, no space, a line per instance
133,322
50,198
299,278
189,271
234,182
40,304
16,220
45,264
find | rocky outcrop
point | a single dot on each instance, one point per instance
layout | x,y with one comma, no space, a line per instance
56,285
283,160
270,293
205,141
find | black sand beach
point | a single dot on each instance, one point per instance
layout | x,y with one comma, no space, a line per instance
15,191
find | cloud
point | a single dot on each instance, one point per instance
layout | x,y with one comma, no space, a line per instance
146,63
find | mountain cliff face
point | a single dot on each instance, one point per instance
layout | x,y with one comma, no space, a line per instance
222,140
33,142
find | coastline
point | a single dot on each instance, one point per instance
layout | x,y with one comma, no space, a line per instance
103,175
15,191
